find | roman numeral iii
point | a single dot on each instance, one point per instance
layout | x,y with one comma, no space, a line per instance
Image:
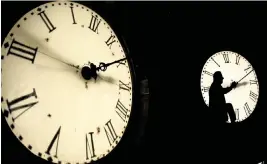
23,51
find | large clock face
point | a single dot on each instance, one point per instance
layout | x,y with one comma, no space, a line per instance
233,67
54,109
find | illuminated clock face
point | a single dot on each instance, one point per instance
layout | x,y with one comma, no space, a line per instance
233,67
50,107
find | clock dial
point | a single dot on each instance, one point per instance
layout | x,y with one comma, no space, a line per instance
233,68
56,100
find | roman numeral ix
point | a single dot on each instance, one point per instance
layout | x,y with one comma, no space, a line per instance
124,86
110,41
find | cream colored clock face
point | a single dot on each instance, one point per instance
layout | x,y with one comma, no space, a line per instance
49,106
233,67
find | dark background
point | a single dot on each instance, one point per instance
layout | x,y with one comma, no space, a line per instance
170,42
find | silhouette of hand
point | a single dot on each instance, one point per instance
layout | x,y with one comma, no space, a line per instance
234,84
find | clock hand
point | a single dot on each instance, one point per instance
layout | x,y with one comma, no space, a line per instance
87,73
244,76
71,65
103,67
30,37
108,79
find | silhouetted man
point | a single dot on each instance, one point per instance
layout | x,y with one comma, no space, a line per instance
217,101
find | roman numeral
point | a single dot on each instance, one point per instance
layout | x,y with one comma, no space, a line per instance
72,13
90,146
237,59
249,67
13,107
206,89
121,63
208,73
47,22
23,51
247,109
122,110
56,137
215,62
253,96
94,23
124,86
110,41
237,114
226,58
253,82
110,132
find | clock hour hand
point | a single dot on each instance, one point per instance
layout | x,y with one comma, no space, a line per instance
103,66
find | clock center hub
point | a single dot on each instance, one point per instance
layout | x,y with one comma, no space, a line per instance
86,72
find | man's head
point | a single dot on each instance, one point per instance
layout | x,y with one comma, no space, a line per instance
217,77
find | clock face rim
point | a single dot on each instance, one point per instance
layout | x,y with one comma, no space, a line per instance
207,61
130,63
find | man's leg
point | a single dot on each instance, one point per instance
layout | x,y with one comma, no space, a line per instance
231,112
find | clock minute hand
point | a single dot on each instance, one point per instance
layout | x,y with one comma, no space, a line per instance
102,66
245,76
40,52
71,65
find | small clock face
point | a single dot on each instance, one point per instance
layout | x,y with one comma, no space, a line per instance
51,107
233,67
